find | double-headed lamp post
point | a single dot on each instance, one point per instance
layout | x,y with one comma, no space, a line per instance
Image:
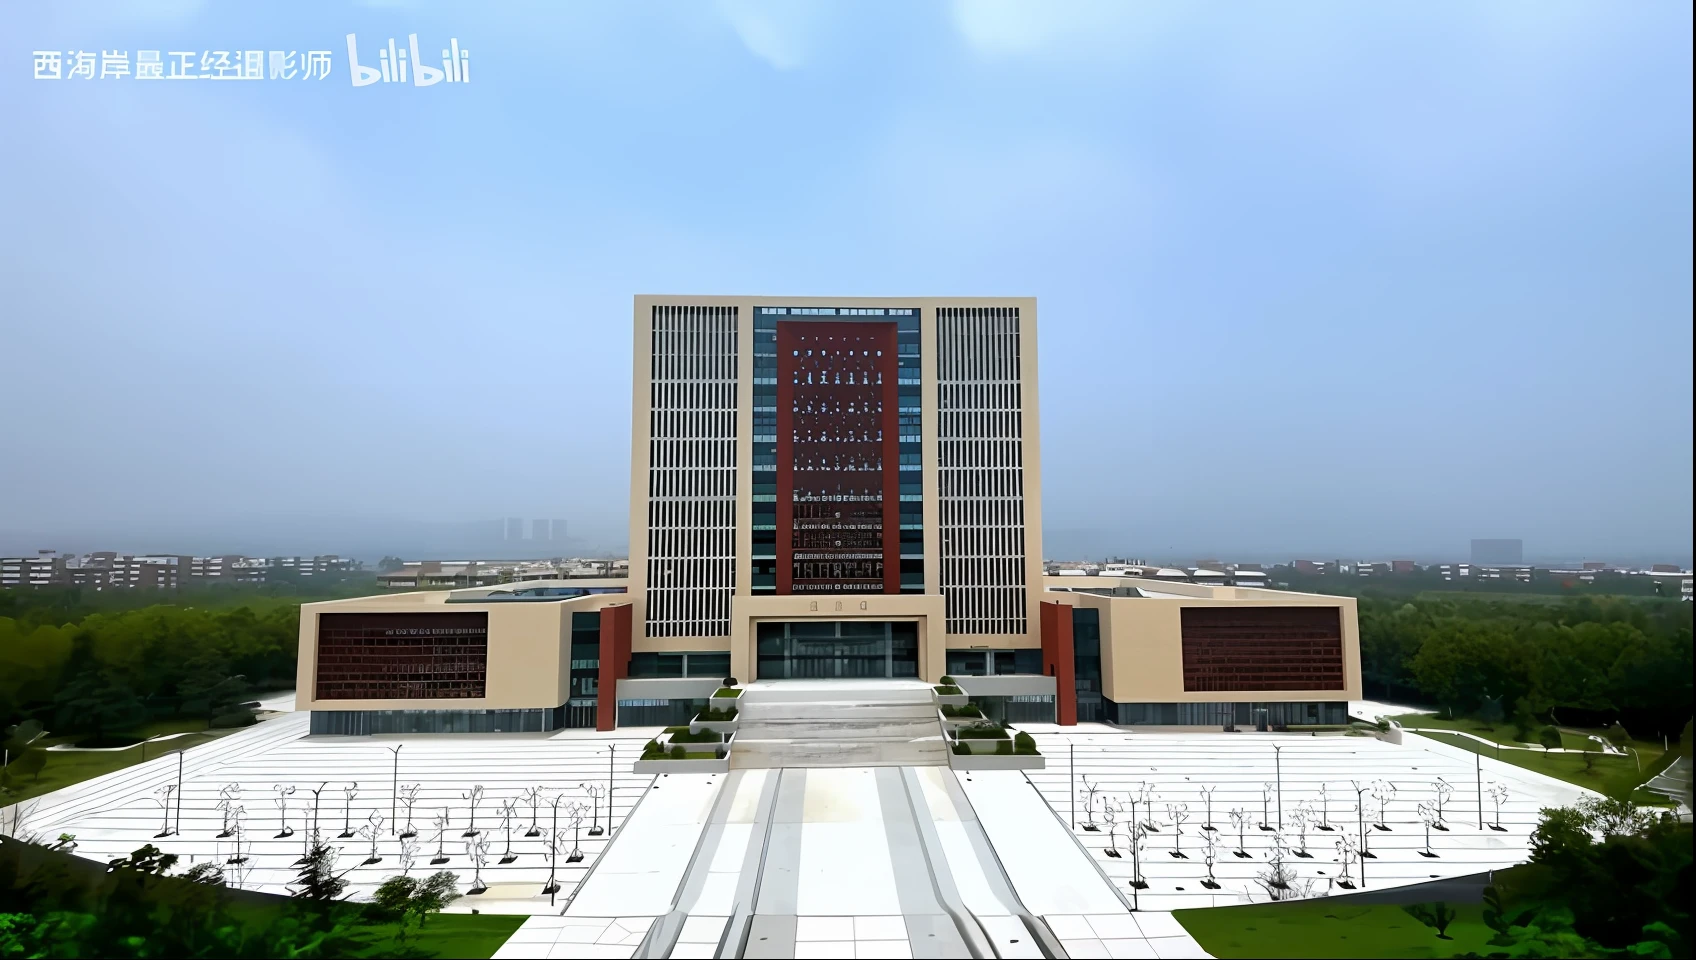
1278,767
394,787
1360,814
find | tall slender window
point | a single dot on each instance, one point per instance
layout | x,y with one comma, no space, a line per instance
692,471
980,469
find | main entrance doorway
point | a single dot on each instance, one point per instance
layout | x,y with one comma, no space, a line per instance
824,649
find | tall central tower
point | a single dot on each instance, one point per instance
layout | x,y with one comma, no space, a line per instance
804,470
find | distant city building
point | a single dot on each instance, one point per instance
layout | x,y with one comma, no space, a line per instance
1665,568
541,531
557,532
1498,551
435,574
1403,566
107,569
514,528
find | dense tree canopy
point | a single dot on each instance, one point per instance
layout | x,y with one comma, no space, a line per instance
1583,661
110,670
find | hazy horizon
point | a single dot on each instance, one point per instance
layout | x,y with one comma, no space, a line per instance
1334,280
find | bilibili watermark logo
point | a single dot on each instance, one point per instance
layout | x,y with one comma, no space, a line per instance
392,64
395,64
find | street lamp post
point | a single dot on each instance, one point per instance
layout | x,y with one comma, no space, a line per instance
394,787
553,853
1478,779
1278,767
1360,816
179,793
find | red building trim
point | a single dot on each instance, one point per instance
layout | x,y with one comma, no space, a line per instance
615,663
1058,662
808,348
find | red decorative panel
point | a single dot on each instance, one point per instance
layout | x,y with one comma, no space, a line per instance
402,656
1262,648
615,663
838,456
1059,661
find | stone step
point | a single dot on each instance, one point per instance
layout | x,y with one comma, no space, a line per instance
833,709
839,728
766,754
861,691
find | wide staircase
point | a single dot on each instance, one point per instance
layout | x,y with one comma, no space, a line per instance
837,723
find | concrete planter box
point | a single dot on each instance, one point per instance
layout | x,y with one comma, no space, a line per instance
653,768
951,699
717,726
720,764
978,746
1017,761
951,723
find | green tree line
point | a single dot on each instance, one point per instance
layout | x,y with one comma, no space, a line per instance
1588,662
109,671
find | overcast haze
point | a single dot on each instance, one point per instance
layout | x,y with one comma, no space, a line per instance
1314,279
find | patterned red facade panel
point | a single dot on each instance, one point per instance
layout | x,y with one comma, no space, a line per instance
838,474
1262,648
402,656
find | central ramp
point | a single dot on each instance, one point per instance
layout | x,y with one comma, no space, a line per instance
836,723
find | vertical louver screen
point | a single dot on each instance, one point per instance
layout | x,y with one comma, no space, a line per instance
980,469
692,472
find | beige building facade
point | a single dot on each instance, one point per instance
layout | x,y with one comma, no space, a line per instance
830,488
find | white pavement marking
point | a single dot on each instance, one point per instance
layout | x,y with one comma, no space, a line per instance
562,938
1048,870
641,872
115,814
1176,767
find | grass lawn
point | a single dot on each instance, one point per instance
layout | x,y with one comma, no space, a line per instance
445,935
64,768
1317,928
1612,775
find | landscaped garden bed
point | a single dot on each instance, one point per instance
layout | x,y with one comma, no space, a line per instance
990,746
683,750
949,693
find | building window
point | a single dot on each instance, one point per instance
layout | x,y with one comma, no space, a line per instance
402,656
1262,648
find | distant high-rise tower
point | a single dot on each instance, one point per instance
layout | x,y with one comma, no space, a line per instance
558,531
539,531
514,528
1498,551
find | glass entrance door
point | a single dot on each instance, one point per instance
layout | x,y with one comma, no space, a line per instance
837,649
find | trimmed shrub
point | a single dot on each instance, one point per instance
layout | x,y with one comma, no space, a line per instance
968,709
705,736
981,731
728,682
949,690
653,751
1004,747
1024,743
716,713
961,749
947,681
679,752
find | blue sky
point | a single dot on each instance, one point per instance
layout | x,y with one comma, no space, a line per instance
1321,278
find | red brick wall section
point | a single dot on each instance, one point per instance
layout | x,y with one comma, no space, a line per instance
615,662
1057,661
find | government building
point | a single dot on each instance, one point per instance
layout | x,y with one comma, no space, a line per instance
829,488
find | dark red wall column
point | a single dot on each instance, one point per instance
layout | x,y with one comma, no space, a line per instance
1058,662
615,662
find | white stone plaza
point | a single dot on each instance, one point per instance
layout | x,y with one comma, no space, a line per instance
821,861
